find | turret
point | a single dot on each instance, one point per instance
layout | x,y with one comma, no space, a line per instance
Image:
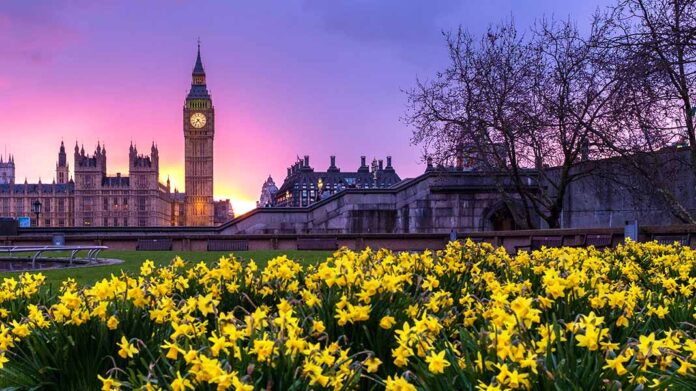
95,163
62,167
7,169
154,155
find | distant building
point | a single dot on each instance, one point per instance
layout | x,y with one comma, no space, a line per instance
268,191
57,202
95,198
16,200
223,211
303,186
138,199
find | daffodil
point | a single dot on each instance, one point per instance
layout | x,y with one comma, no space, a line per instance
387,322
109,383
437,362
181,383
127,349
398,384
372,364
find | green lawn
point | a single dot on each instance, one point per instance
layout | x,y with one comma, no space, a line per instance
133,260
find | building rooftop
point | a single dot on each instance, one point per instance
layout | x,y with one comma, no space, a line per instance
37,187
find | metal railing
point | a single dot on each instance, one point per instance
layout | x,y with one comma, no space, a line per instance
92,251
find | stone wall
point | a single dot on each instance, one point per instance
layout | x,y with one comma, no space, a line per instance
435,202
616,193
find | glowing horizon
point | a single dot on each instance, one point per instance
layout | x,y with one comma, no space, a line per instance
298,78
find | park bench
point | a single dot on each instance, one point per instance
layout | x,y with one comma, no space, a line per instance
154,245
473,239
670,239
538,242
317,244
228,245
574,241
599,240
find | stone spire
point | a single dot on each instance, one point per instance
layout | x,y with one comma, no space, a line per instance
198,83
198,68
62,167
62,156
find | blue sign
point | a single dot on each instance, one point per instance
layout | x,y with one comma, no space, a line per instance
24,222
58,240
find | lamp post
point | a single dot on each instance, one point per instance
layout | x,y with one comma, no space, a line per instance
320,186
36,208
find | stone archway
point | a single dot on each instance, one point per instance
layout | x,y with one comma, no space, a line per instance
499,217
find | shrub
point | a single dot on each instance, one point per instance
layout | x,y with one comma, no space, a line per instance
467,317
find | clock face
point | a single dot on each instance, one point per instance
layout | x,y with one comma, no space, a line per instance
198,120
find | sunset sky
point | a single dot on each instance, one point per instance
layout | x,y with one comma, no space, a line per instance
288,78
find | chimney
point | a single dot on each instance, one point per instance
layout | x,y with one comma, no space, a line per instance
333,161
306,160
389,162
381,164
363,165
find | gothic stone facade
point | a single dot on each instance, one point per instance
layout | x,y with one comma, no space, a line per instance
57,198
137,199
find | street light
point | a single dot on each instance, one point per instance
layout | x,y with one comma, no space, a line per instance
36,208
320,186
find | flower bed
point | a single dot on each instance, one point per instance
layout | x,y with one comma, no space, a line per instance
468,317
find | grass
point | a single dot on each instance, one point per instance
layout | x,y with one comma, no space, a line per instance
133,260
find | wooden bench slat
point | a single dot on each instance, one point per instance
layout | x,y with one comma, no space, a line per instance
538,242
154,245
317,244
670,239
598,241
228,245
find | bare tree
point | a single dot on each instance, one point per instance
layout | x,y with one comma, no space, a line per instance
526,106
652,116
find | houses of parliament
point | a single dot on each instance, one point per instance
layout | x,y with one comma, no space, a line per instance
91,197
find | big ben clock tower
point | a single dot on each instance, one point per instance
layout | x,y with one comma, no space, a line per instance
199,131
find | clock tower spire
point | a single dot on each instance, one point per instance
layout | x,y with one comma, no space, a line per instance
199,132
